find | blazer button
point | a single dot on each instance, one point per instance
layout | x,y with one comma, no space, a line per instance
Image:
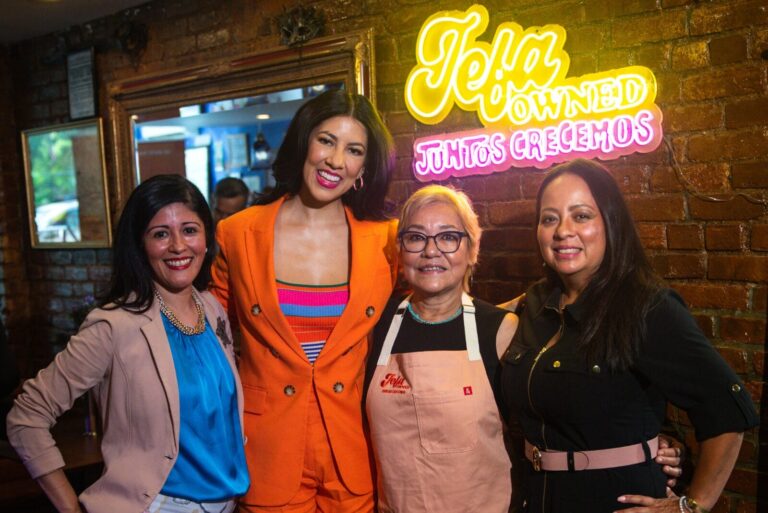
370,311
338,387
595,369
289,390
274,352
736,387
255,309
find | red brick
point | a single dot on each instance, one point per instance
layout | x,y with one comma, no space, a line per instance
729,208
739,268
652,235
743,481
736,358
758,362
707,177
722,82
760,237
760,298
675,265
689,117
755,389
727,50
664,25
512,213
657,208
707,325
690,55
725,237
746,506
714,296
504,186
744,113
743,329
531,183
687,236
723,505
512,238
665,179
400,123
749,175
710,18
656,57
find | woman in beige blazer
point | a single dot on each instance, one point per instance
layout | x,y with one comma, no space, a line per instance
159,455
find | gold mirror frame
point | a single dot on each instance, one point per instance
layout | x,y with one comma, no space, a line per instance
66,182
346,58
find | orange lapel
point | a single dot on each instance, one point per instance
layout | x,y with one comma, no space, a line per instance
259,240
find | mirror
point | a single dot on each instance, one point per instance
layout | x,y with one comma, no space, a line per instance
66,185
227,118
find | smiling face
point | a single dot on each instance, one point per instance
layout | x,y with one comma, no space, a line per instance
571,231
431,272
335,159
174,243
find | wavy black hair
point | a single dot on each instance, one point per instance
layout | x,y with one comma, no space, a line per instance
367,203
624,287
131,284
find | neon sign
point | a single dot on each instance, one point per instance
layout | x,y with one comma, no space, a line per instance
532,114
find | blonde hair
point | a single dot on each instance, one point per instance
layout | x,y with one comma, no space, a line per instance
461,203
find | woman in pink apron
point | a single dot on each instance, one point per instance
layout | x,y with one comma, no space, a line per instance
433,416
435,425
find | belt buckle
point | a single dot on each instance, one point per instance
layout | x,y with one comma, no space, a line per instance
536,459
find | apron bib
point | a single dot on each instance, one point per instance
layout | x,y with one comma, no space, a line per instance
436,429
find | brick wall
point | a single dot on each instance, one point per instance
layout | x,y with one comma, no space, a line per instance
699,200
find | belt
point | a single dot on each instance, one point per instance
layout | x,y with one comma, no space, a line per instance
591,460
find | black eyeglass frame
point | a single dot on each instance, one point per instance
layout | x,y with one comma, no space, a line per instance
434,237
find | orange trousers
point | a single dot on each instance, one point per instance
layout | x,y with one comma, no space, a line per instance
321,489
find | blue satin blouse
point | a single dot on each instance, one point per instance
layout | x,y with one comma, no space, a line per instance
211,463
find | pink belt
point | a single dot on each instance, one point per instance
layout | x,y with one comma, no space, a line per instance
591,460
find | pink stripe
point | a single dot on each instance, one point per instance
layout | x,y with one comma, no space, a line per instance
298,297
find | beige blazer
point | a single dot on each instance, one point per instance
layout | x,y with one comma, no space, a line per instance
126,359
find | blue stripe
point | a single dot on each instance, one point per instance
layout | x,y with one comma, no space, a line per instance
312,311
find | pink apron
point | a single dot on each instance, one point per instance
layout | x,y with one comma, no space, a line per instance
436,429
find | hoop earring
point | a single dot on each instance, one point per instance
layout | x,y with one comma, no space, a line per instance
362,183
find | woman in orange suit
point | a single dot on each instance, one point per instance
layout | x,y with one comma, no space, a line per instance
306,274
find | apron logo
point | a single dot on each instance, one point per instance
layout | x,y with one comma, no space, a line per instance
394,384
467,390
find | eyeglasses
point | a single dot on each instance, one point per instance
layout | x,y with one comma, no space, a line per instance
446,242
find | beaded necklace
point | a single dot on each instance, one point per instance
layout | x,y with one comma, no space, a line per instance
197,329
424,321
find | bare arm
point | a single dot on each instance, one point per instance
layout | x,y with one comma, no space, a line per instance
59,491
511,305
717,459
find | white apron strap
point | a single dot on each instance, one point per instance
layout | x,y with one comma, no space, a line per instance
470,328
394,329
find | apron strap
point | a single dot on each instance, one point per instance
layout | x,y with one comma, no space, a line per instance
470,330
394,328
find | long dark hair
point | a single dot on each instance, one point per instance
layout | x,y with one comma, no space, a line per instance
131,284
367,203
624,287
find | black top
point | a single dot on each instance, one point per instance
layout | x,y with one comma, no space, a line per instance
416,337
565,402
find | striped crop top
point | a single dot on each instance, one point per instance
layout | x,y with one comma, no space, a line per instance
312,312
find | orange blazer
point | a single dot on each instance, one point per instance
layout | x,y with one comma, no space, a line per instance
277,377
